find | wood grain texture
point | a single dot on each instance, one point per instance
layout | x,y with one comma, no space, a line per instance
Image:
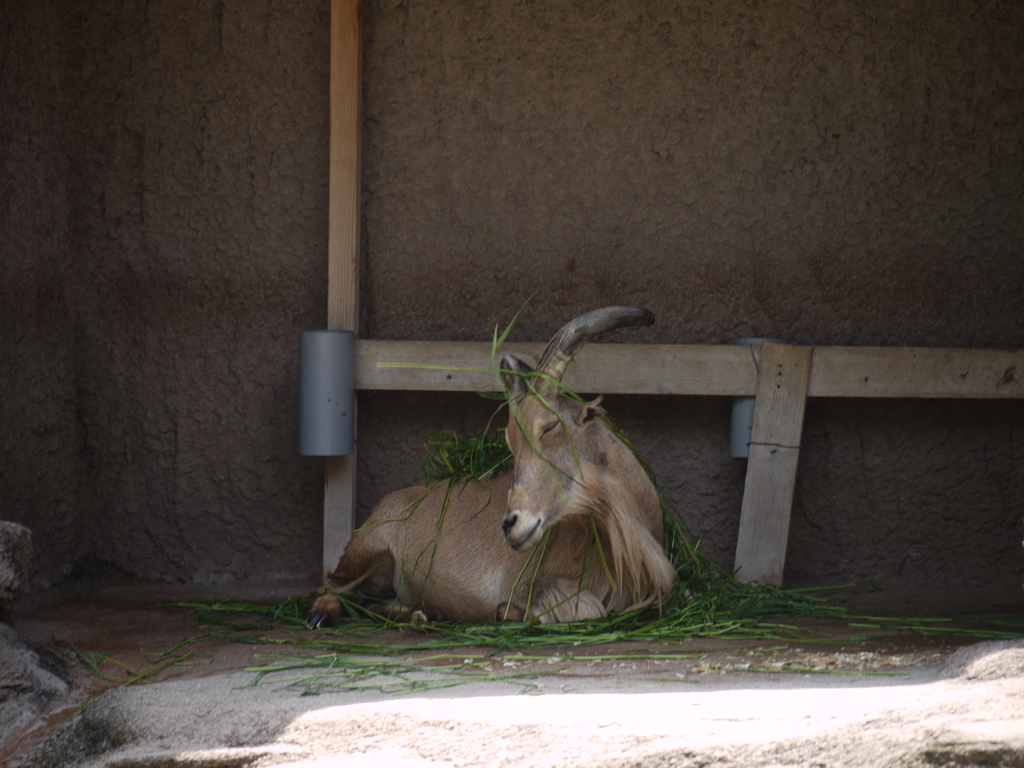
684,369
771,468
344,184
339,504
653,369
917,372
343,247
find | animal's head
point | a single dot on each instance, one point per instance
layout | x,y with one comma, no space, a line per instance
564,454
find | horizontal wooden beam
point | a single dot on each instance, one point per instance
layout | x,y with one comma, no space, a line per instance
916,372
690,369
640,369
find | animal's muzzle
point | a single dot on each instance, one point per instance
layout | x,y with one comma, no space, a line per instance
515,537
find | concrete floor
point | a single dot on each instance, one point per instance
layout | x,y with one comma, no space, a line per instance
133,624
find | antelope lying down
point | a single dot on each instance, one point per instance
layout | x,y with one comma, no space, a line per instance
571,478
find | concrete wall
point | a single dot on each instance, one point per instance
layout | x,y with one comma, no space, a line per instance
185,232
200,232
40,433
831,173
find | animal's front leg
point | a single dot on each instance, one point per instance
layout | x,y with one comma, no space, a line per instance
325,612
361,558
563,600
396,610
550,600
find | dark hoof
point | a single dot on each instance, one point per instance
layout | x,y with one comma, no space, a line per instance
316,620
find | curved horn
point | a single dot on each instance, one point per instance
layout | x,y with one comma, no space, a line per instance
578,332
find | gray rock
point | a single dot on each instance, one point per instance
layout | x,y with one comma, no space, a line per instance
31,679
15,558
993,660
993,742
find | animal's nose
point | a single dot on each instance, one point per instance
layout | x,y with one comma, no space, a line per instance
509,523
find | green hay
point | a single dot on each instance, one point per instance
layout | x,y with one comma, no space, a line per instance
452,457
94,661
335,672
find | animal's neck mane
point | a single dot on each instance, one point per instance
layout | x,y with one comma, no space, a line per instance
636,560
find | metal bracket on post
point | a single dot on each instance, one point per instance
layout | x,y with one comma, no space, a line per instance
771,470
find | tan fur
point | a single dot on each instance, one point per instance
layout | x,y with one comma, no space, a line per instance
582,522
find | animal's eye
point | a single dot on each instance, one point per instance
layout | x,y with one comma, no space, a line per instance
549,427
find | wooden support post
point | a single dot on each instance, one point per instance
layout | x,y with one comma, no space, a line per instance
343,246
771,469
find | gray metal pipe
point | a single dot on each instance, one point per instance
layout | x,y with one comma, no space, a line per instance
326,363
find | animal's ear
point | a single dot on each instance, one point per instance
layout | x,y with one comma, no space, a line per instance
590,411
512,371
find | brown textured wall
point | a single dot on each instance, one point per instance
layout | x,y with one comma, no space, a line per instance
829,173
200,225
39,435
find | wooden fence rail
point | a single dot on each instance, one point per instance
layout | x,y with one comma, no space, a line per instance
690,369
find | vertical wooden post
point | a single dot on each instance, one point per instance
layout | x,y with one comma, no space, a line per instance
343,245
771,469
